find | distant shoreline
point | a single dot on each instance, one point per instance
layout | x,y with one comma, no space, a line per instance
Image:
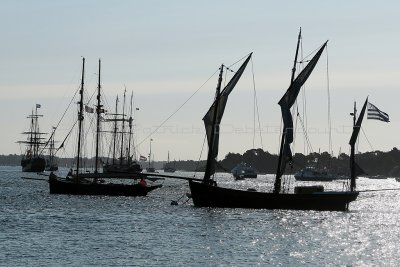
373,163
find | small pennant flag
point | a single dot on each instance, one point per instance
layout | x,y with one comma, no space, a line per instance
38,106
375,114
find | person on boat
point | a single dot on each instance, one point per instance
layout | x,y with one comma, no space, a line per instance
142,182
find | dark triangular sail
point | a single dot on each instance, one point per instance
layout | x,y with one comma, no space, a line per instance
209,123
357,126
354,168
287,102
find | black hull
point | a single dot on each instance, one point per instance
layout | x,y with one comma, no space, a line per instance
213,196
33,165
314,179
117,168
64,186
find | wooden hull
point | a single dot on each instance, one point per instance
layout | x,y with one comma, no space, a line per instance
68,186
213,196
33,165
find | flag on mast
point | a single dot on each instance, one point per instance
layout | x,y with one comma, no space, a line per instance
38,106
375,114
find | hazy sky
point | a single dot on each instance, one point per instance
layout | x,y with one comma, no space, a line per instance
164,51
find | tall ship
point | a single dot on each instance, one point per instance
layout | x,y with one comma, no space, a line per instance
79,182
123,159
33,160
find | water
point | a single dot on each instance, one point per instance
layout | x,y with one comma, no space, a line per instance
39,229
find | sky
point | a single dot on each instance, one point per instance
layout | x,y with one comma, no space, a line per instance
164,51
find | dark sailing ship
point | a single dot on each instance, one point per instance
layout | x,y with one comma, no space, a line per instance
150,168
208,194
51,161
79,183
169,167
126,162
32,160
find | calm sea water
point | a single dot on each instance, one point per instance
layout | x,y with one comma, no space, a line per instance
39,229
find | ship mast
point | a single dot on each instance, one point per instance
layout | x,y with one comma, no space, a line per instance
123,127
210,156
130,132
98,112
352,152
277,185
115,130
80,118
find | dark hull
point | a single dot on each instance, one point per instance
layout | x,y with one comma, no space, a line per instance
124,168
213,196
33,165
244,176
64,186
312,179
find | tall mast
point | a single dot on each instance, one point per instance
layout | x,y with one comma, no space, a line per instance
277,185
98,112
210,156
352,157
123,127
115,130
80,118
35,144
130,131
150,153
31,137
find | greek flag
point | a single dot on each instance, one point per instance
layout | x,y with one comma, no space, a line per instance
375,114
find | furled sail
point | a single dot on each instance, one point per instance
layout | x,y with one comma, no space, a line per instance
287,102
208,118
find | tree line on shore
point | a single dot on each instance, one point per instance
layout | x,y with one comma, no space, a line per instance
373,163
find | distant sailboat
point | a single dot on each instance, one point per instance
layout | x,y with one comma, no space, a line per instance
208,194
51,161
150,168
78,183
169,167
32,160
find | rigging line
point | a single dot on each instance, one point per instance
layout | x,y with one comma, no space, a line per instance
367,139
310,54
184,103
228,67
329,103
201,153
304,101
305,134
62,117
256,107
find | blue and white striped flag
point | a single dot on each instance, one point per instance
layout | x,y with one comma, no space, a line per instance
375,114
